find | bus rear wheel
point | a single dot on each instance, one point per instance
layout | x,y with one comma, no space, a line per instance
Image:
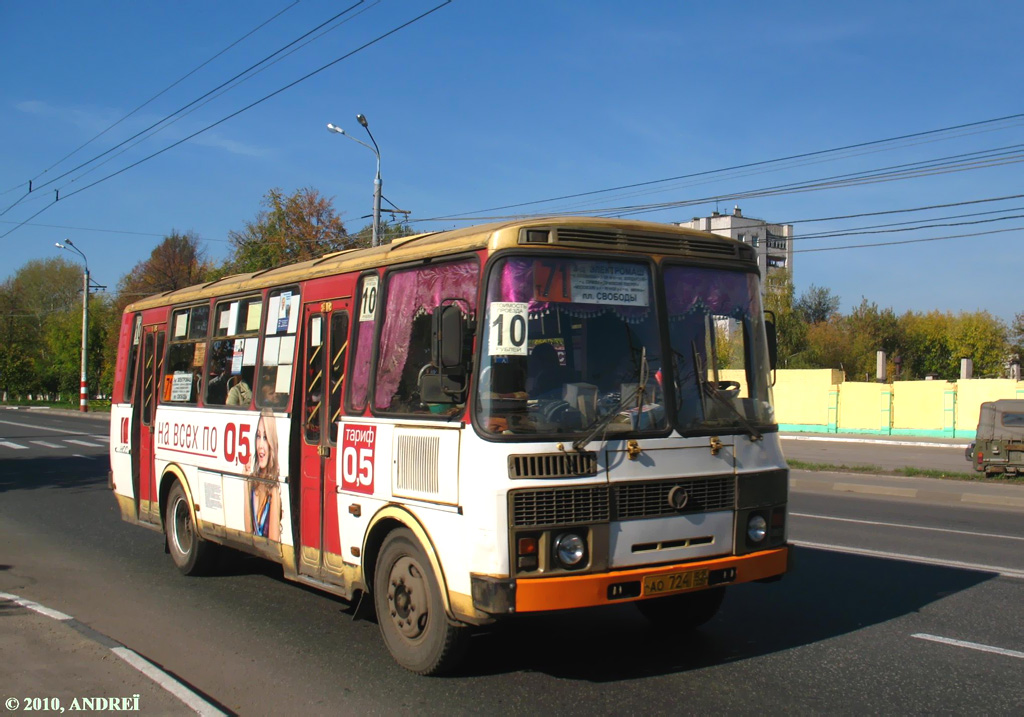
682,612
191,553
410,612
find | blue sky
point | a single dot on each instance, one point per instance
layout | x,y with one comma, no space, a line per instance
486,104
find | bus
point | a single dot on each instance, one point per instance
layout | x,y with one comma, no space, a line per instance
463,426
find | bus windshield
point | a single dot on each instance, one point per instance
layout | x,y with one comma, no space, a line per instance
719,353
570,345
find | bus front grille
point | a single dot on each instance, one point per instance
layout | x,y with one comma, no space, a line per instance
553,465
559,506
702,495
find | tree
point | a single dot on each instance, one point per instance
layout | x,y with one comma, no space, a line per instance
817,304
980,337
1016,336
790,327
176,262
289,229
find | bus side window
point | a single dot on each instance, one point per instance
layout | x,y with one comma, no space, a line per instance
362,335
231,360
413,295
274,379
187,354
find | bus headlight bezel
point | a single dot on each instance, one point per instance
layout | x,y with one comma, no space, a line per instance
757,529
570,550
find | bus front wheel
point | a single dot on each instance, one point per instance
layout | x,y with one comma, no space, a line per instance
682,612
410,612
190,553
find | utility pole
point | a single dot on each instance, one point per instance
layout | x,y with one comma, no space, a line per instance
83,396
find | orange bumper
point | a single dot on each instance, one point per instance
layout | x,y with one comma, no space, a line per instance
574,591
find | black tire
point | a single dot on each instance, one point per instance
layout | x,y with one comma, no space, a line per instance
683,612
191,553
410,611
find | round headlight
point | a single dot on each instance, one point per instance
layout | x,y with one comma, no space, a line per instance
757,528
570,549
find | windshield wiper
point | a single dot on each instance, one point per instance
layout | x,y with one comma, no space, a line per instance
601,423
711,390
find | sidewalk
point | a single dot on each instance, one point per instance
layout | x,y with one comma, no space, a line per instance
51,656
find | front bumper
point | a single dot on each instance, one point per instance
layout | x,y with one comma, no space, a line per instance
575,591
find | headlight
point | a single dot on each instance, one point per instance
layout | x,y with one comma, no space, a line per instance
757,528
570,549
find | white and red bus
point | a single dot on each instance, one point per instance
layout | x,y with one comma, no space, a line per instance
466,425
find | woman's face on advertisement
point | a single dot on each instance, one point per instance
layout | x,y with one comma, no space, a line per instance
262,446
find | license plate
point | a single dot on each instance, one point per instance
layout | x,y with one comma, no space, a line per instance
675,582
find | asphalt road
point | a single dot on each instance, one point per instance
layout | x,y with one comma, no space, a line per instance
871,631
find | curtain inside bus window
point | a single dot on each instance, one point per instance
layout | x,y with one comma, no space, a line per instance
720,364
412,297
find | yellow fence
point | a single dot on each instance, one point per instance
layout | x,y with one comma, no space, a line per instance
820,400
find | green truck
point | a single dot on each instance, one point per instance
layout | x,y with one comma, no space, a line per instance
998,447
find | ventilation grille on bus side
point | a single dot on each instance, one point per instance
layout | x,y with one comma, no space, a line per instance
663,243
560,506
553,465
417,464
645,500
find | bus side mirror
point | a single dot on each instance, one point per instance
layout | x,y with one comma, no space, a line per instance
446,379
773,340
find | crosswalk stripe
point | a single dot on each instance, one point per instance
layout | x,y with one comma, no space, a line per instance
15,446
82,443
44,444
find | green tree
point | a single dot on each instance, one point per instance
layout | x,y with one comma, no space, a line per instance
817,304
790,327
289,229
980,337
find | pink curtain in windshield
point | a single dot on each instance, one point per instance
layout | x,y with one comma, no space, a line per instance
724,293
409,294
361,370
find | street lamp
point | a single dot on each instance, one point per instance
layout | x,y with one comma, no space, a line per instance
83,398
377,184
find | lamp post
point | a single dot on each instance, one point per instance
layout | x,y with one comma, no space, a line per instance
83,397
377,184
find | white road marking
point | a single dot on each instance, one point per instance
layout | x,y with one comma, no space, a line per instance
82,443
909,527
44,444
41,428
887,442
1004,572
164,680
190,698
15,446
970,645
36,607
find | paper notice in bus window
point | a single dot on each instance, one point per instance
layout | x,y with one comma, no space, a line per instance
252,320
287,350
293,315
180,325
181,389
316,325
284,379
283,310
601,282
273,309
507,334
233,318
270,350
236,363
224,320
199,357
368,299
249,353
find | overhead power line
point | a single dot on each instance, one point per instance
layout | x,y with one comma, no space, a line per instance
160,93
738,166
909,241
186,106
244,109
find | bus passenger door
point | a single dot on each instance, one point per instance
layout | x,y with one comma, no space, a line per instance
325,347
149,385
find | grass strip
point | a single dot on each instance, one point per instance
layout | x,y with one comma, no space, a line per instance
908,471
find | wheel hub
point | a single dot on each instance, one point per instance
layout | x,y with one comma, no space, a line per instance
407,598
